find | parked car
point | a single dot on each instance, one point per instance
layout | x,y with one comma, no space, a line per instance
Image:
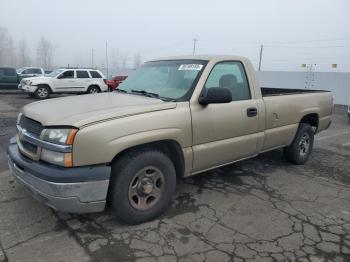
65,81
349,113
115,82
30,72
8,78
172,118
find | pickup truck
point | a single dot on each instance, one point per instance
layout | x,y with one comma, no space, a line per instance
8,78
115,82
25,72
172,118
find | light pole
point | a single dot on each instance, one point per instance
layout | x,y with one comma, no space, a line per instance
194,46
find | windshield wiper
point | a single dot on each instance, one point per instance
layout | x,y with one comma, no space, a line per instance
145,93
121,90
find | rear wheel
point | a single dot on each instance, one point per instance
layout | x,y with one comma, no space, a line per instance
42,92
142,185
93,89
299,151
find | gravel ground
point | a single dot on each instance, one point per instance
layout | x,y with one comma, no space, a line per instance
262,209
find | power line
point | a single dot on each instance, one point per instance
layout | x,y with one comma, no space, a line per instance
314,40
312,47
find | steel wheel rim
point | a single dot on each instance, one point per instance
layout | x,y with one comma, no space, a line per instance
42,92
146,188
304,144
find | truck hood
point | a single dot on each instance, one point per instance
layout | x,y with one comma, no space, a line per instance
83,110
38,78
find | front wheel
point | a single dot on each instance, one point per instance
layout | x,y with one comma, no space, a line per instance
299,151
42,92
142,185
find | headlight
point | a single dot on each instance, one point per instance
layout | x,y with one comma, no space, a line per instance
62,136
28,82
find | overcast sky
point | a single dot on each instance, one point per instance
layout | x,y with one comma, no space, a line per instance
156,28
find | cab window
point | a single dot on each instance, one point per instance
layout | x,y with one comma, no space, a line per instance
230,75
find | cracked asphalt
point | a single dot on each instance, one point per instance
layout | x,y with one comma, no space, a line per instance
262,209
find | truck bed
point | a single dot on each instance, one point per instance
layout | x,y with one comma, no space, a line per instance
269,91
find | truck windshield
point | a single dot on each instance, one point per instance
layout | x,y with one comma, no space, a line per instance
55,73
170,79
20,70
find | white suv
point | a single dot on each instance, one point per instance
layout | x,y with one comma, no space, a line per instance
65,81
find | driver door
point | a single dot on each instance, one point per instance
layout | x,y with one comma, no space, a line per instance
223,133
65,81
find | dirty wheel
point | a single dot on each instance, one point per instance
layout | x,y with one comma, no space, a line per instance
142,185
299,151
42,92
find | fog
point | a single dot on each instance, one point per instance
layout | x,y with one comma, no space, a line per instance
293,32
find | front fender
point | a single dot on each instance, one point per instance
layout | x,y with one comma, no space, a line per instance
94,151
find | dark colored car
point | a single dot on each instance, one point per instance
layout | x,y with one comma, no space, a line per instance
115,82
9,78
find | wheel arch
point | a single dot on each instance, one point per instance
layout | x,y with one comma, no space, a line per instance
44,84
311,119
169,147
94,84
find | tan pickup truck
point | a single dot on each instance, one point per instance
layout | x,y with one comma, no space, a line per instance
171,118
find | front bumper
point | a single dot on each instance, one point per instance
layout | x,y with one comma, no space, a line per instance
27,88
71,190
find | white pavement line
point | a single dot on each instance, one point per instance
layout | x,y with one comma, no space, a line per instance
326,137
346,144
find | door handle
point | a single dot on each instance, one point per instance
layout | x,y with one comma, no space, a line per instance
251,112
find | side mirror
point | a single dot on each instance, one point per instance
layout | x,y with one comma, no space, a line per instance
215,95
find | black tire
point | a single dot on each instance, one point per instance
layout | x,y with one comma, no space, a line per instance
93,90
299,151
42,92
124,189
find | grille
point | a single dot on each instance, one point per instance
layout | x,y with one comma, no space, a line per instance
29,147
30,125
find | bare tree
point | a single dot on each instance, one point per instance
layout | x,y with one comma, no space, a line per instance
7,49
44,53
115,58
23,54
124,60
137,60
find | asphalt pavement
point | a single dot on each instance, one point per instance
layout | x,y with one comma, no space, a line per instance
262,209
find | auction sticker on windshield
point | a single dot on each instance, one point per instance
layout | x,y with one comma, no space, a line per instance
196,67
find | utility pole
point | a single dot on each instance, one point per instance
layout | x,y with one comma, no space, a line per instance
194,45
92,58
107,59
260,57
